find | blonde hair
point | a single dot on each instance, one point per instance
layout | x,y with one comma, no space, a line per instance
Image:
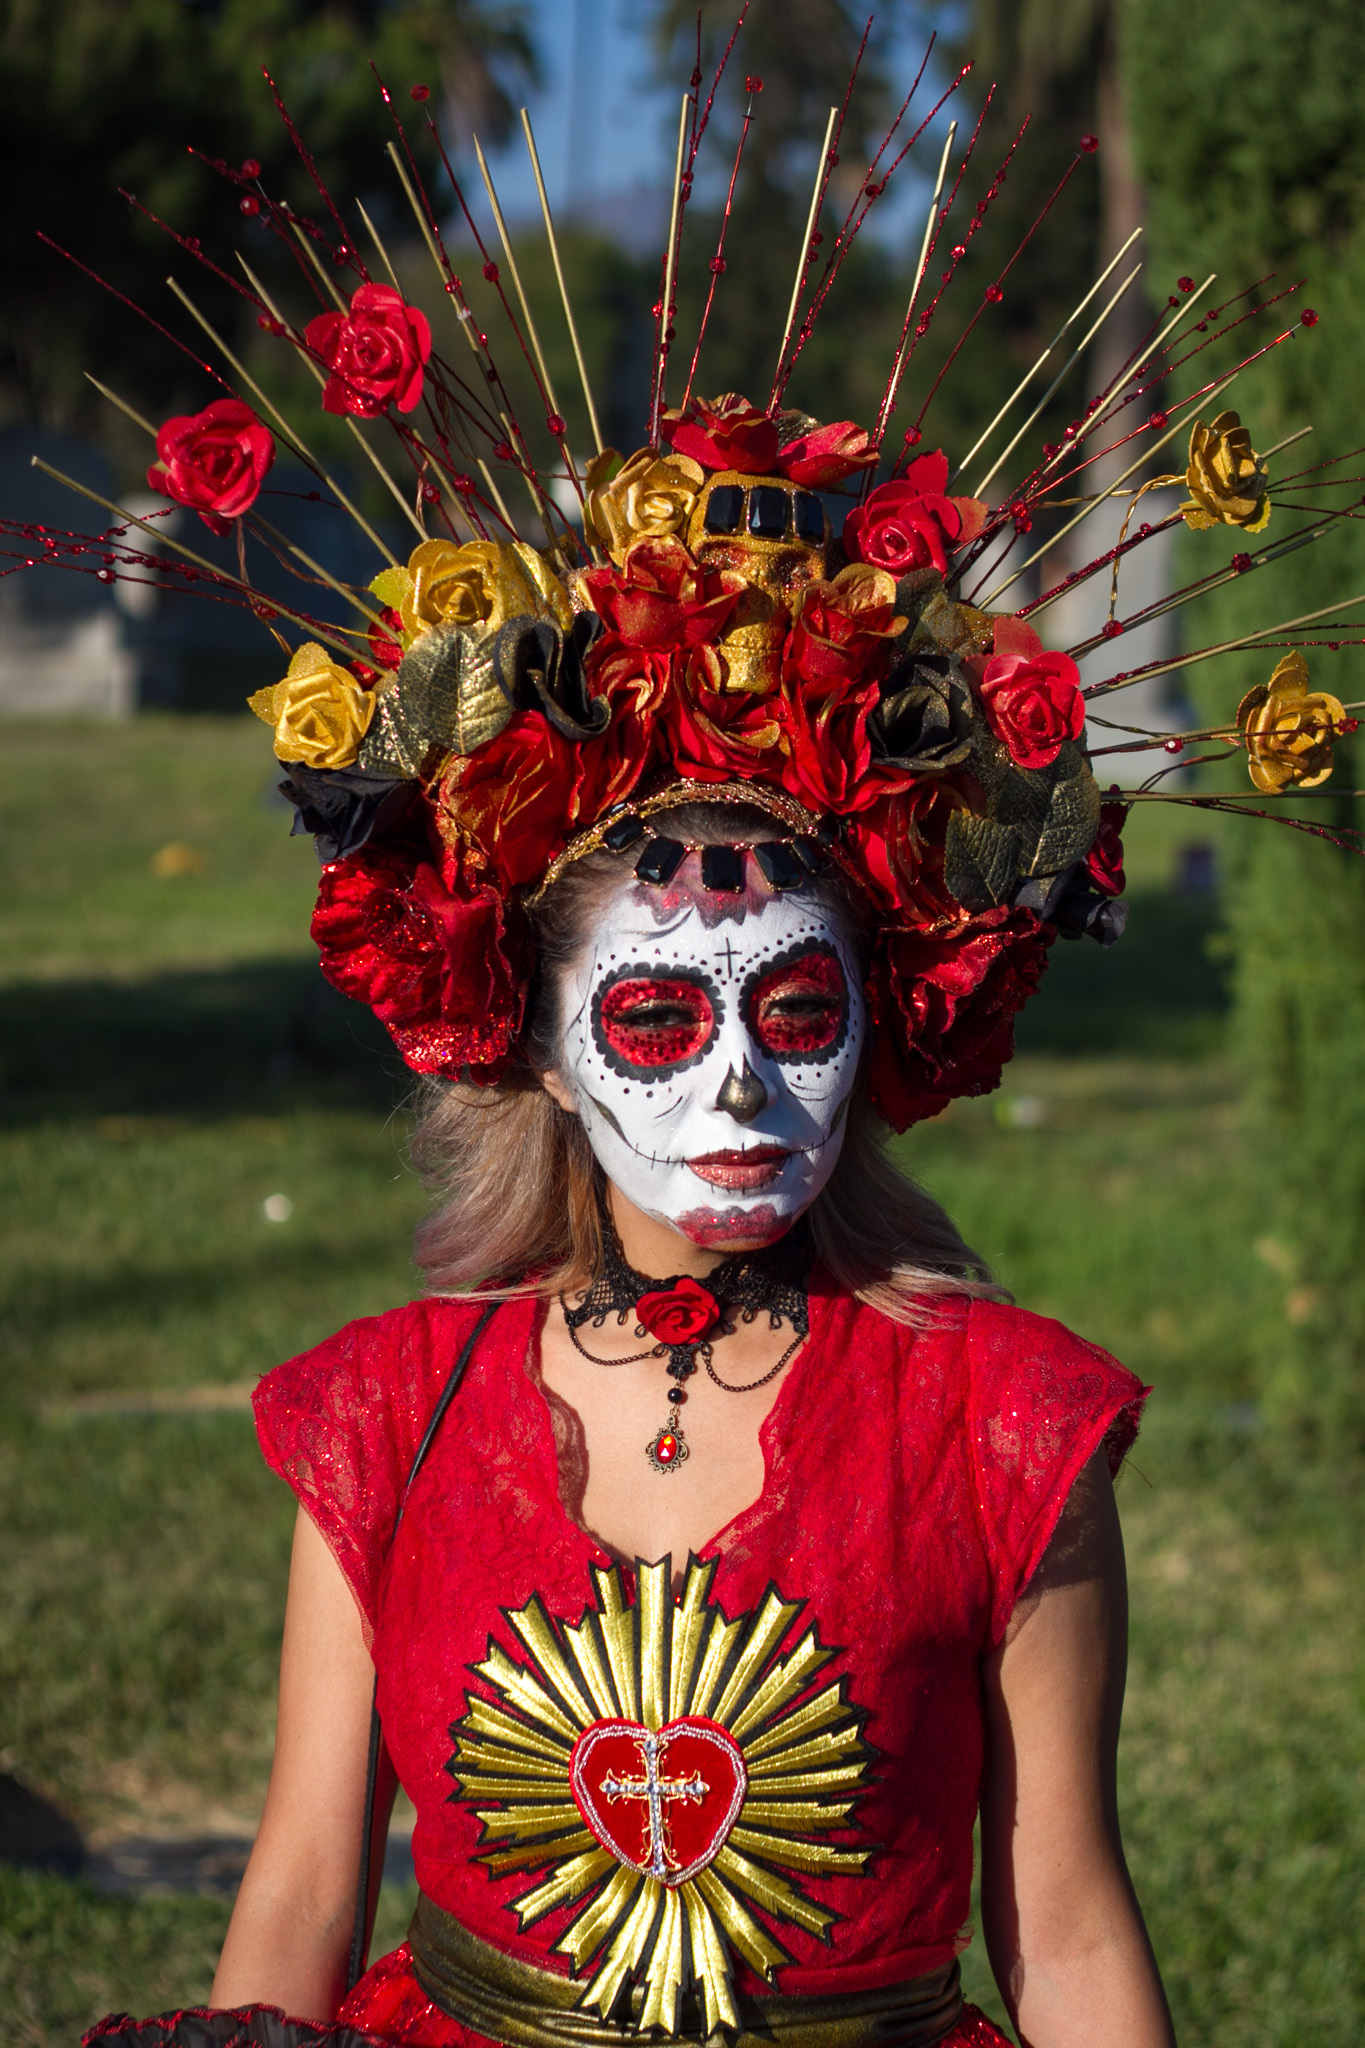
518,1209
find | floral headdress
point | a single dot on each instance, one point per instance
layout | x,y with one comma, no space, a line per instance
705,627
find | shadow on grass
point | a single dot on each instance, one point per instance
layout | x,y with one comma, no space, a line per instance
1157,994
237,1041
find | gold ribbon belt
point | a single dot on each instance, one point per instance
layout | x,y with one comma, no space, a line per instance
507,2000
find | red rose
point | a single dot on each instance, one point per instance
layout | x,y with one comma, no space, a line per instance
516,798
213,461
723,433
660,598
679,1314
1104,862
634,682
715,734
829,756
824,457
842,631
375,352
429,950
943,1009
1032,704
900,840
910,523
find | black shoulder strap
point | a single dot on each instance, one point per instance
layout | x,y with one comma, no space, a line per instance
360,1930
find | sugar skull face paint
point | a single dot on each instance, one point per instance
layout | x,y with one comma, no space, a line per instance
710,1046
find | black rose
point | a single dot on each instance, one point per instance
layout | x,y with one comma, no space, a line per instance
924,719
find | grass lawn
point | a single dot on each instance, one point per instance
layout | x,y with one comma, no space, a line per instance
169,1059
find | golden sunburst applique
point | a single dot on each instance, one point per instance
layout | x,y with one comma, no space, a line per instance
676,1772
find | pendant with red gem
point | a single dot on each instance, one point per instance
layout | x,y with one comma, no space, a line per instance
668,1449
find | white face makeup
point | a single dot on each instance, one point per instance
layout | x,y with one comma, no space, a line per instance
710,1045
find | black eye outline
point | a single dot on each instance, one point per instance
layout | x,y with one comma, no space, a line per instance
654,970
804,950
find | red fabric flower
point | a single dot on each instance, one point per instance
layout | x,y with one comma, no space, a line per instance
387,648
715,734
213,461
660,598
943,1009
842,631
1104,862
899,843
515,800
678,1314
910,523
429,950
634,682
825,456
375,353
723,433
1031,699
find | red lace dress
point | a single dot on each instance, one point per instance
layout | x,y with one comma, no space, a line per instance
913,1480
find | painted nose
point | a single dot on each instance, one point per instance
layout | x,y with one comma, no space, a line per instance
743,1096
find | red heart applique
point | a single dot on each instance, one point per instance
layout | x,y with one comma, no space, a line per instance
662,1803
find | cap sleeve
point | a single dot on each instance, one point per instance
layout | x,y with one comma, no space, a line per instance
340,1424
1042,1403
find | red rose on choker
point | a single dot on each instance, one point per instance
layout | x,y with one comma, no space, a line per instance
1031,699
213,461
660,598
375,352
723,433
1104,862
910,523
679,1314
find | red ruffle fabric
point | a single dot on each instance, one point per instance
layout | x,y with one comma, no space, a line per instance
967,1437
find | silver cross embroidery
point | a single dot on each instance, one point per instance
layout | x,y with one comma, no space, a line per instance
656,1790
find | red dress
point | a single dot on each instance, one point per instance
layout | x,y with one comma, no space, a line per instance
913,1479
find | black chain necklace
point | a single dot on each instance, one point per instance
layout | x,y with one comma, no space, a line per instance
684,1315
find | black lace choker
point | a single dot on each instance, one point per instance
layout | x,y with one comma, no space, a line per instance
684,1316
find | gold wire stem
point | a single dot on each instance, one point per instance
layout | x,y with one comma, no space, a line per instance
321,378
888,405
1056,384
373,234
1262,559
361,521
563,287
803,260
165,540
1022,386
1132,469
670,272
1231,646
496,495
506,240
326,280
122,404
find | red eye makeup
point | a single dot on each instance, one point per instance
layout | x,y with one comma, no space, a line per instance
649,1023
798,1009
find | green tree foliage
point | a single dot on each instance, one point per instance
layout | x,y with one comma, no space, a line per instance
1251,133
95,96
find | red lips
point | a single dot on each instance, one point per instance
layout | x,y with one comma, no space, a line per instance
740,1171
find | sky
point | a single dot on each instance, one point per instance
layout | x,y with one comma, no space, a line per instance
606,127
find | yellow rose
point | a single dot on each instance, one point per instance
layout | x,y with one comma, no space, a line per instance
1289,729
1226,478
479,586
319,711
651,494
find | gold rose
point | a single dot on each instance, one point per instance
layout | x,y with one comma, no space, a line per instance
319,711
648,494
1227,480
479,586
1288,729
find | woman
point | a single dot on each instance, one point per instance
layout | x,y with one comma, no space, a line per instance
923,1480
